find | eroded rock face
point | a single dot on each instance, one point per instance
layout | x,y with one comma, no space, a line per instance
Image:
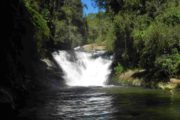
21,67
18,53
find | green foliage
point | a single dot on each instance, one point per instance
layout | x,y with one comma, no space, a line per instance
45,13
101,30
96,27
119,69
58,24
155,40
110,38
38,20
69,24
169,63
42,30
61,31
145,34
170,16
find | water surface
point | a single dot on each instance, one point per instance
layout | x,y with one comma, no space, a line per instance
99,103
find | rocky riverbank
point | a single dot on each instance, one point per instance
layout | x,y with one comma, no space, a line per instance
137,78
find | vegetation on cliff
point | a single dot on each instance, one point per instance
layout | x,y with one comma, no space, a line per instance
58,24
145,35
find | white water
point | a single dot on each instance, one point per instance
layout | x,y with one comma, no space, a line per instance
83,69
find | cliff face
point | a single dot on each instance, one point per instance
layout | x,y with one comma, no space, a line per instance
20,62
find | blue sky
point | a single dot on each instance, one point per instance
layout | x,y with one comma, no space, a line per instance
90,7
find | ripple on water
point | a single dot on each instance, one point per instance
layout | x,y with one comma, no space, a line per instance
85,105
96,104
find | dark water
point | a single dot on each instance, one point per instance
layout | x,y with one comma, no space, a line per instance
115,103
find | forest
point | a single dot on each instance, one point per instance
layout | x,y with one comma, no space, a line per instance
141,34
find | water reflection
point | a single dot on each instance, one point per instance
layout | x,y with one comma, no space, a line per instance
103,104
85,105
144,104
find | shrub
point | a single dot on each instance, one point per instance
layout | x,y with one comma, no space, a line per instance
169,63
119,69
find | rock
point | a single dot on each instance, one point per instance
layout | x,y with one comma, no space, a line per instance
175,80
93,47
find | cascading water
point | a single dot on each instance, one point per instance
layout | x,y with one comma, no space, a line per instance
84,68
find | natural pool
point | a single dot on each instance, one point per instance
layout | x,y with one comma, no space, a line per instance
103,103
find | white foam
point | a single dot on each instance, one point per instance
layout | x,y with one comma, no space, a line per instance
85,70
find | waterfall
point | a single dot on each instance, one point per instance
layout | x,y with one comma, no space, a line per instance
84,68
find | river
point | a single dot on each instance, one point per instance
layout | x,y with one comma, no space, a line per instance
103,103
87,96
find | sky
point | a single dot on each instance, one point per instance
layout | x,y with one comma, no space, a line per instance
90,7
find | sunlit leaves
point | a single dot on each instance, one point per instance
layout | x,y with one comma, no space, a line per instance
146,32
